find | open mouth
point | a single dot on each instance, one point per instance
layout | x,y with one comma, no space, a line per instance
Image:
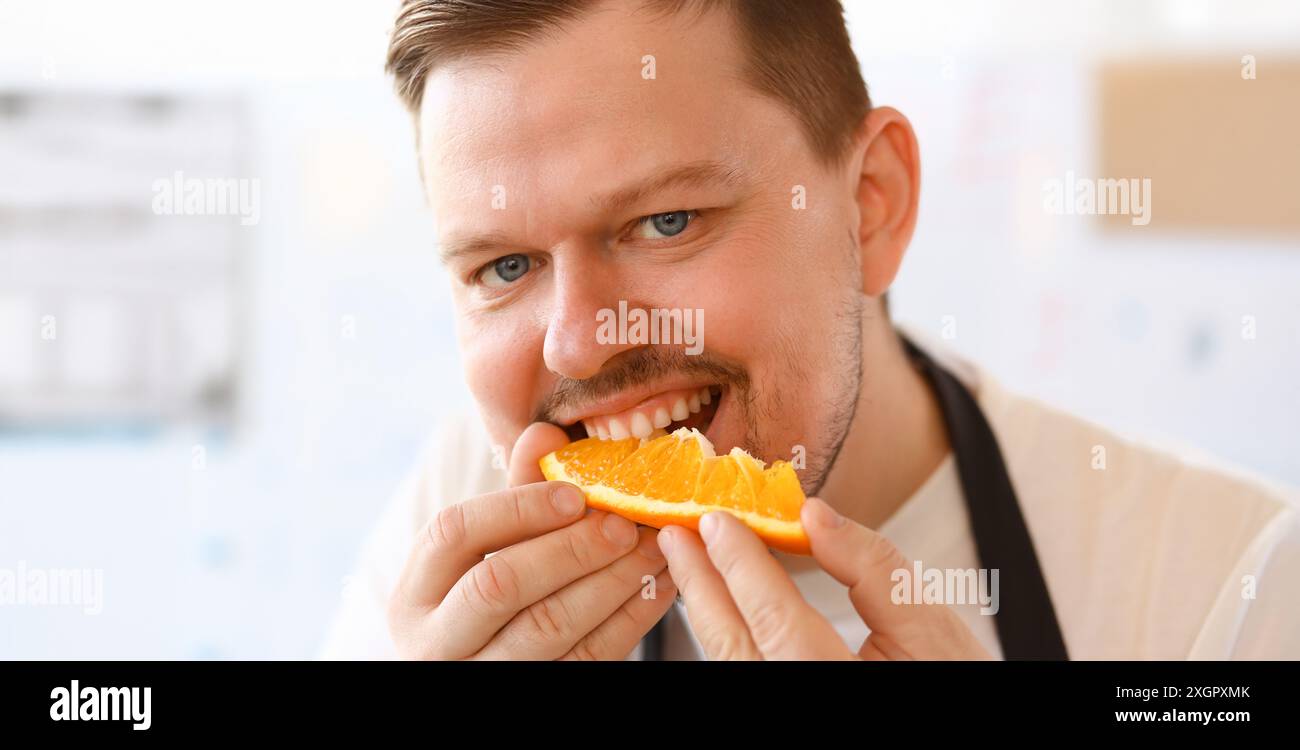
667,411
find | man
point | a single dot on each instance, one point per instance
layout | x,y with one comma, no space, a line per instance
723,157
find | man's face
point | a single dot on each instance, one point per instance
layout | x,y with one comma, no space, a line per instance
563,182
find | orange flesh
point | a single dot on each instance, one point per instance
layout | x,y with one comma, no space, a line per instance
675,480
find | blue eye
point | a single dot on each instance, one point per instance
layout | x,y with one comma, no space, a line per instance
505,270
658,226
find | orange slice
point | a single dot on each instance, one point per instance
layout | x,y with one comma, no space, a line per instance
676,479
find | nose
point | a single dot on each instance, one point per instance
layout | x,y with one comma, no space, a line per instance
572,348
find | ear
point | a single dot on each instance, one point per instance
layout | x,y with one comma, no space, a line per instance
887,170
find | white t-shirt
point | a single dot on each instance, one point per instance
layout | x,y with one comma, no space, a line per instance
1150,557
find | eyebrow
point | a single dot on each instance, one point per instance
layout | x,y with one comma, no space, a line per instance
492,241
691,174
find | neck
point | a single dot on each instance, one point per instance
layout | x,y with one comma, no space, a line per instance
897,438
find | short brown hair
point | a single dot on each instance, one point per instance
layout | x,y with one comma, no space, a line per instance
798,51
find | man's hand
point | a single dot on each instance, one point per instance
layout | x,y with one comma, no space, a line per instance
562,584
743,605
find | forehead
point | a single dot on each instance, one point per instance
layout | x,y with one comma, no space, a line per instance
573,114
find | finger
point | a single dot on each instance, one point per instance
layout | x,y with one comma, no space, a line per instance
460,535
492,592
864,561
552,626
618,635
538,439
714,617
781,623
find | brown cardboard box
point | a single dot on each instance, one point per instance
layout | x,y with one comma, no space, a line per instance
1222,150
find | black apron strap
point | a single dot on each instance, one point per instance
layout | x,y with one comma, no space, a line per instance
1025,621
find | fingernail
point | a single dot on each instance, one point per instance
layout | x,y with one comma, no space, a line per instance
665,540
709,527
618,530
567,500
824,515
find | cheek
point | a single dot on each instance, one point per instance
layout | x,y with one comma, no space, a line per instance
779,284
782,305
501,357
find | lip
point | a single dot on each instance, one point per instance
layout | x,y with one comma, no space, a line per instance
629,399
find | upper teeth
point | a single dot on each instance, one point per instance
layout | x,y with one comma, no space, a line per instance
654,414
641,426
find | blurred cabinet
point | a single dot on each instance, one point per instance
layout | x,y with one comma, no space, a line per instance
111,312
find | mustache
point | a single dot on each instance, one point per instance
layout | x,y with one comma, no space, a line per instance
637,367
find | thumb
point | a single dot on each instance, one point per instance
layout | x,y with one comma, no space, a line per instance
538,439
861,559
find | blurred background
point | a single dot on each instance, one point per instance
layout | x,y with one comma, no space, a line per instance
210,401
